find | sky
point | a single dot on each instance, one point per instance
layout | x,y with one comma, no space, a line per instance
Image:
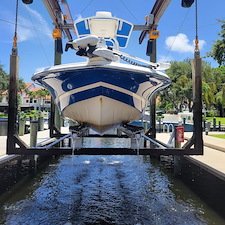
177,29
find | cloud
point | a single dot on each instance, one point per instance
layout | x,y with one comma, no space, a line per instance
29,29
181,43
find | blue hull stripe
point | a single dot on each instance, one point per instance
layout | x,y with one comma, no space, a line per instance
101,91
124,79
71,80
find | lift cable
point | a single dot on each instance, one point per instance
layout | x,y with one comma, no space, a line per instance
196,27
130,11
38,36
179,30
14,49
86,6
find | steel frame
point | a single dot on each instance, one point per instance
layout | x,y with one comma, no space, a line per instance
15,145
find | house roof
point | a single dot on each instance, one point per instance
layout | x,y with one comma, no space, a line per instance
38,88
27,85
5,92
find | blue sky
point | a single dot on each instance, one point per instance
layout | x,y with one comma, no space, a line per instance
177,30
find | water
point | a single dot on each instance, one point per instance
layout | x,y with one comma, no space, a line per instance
121,190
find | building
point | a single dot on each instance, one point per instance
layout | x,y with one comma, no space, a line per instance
28,99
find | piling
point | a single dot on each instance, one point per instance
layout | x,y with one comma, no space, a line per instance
33,133
177,144
214,123
40,124
207,128
21,126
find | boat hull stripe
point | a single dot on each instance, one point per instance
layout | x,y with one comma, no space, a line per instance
101,91
97,85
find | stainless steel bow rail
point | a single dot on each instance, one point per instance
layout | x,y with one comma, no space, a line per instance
15,145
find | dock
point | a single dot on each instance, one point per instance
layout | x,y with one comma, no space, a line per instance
212,161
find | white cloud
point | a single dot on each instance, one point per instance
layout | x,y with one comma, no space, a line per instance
181,43
26,28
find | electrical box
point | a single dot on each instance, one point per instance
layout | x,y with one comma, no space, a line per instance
153,34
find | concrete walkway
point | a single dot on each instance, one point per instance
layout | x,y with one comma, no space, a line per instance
42,135
213,159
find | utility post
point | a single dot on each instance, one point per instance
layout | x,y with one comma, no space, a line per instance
12,108
153,98
197,87
197,99
55,119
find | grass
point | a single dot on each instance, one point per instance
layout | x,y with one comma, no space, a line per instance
2,115
221,119
218,135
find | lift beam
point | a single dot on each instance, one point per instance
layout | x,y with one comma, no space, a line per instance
157,11
58,18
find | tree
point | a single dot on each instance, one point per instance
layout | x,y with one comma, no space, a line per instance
42,93
220,99
4,81
179,93
218,48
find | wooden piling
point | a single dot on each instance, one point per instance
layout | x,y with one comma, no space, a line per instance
33,133
21,127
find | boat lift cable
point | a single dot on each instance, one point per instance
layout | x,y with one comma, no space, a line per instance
38,36
169,50
196,27
86,6
14,49
130,11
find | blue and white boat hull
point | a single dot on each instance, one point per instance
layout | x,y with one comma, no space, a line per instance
102,95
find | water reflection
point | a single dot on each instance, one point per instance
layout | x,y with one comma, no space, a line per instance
102,190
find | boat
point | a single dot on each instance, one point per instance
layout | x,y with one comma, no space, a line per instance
184,119
103,93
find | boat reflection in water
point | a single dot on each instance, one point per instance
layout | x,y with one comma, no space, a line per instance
102,93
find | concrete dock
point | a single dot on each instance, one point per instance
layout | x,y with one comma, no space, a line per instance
213,159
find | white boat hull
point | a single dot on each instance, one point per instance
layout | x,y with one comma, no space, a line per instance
101,113
101,95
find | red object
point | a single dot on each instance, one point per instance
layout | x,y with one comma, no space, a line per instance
180,134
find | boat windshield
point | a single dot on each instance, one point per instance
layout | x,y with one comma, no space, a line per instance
114,30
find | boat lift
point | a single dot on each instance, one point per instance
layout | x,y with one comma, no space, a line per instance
15,145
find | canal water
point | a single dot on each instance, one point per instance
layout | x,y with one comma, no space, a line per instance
121,190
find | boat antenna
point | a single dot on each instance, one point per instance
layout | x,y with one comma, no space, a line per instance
14,48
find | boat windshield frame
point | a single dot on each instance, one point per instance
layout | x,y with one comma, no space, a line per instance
113,30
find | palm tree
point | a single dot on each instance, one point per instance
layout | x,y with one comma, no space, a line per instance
220,100
31,94
42,93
